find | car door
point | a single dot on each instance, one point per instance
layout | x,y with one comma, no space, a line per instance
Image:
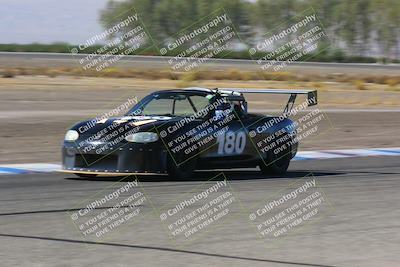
232,144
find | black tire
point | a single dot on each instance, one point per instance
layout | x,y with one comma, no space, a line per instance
85,175
276,164
181,171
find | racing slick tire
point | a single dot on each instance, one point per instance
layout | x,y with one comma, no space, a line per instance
276,164
182,171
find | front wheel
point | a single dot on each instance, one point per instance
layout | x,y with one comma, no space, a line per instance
181,168
276,163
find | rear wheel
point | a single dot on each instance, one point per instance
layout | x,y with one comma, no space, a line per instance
276,163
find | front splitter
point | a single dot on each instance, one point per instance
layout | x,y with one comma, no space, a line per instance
111,173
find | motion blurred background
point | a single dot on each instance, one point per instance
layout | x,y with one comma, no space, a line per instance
44,90
359,30
355,68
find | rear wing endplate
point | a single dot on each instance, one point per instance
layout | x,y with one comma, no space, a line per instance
312,99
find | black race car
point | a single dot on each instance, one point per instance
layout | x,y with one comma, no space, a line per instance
178,131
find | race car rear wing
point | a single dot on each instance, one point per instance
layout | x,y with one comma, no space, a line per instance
312,99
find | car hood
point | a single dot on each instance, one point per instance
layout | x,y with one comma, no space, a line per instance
122,124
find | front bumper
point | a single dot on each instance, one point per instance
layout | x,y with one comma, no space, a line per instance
131,158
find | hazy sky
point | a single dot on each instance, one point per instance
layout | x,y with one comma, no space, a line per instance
47,21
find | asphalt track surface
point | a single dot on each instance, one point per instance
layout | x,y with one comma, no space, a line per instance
21,59
361,229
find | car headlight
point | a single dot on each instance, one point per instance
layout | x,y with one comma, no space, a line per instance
71,135
144,137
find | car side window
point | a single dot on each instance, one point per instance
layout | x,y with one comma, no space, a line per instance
158,106
200,102
183,107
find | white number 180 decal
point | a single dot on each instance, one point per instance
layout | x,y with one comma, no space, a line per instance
231,142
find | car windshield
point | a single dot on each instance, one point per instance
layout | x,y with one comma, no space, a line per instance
170,104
